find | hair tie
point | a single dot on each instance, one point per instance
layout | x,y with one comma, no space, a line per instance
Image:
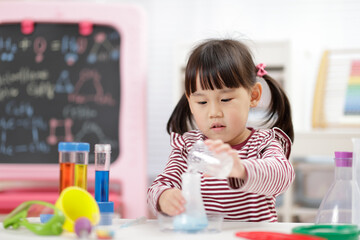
261,69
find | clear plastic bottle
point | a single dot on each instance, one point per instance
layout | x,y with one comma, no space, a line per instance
194,218
356,159
67,164
341,203
81,164
200,158
73,159
102,177
102,169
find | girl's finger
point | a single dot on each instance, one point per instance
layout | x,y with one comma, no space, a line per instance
213,144
222,148
179,197
178,204
175,211
233,153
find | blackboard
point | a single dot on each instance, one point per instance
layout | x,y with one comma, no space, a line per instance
57,85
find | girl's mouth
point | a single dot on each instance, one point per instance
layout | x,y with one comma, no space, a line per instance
216,126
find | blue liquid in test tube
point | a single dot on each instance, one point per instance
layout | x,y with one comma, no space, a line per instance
102,167
102,186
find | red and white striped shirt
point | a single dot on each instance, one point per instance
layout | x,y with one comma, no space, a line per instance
265,157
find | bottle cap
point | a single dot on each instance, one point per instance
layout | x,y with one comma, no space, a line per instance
67,146
73,147
106,207
102,148
106,212
343,159
343,154
83,147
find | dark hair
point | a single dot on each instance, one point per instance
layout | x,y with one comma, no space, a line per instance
227,63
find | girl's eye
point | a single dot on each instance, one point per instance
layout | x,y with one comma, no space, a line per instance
202,103
226,100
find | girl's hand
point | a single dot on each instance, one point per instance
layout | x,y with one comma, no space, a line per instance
218,146
171,202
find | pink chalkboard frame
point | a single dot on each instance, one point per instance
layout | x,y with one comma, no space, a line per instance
129,20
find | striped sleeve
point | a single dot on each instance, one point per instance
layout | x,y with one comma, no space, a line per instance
270,172
171,176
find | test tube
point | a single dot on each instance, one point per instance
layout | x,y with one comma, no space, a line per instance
81,163
66,160
102,167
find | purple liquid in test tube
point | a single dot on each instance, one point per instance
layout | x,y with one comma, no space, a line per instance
102,167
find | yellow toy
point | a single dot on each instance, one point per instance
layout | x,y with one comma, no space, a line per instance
76,202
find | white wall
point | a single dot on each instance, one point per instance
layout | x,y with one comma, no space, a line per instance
311,26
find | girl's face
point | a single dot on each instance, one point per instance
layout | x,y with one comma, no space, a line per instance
223,113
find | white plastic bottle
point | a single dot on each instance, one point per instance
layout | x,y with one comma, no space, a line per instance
341,203
194,218
200,158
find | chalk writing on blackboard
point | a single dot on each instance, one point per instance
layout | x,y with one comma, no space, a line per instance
57,85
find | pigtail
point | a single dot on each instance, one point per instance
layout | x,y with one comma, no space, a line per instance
279,107
181,118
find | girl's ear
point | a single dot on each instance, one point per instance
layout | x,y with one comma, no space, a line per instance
188,100
256,92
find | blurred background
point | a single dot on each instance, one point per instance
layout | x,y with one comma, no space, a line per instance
291,37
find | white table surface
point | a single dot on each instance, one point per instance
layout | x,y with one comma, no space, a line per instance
151,230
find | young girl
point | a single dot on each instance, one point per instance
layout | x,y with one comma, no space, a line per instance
220,89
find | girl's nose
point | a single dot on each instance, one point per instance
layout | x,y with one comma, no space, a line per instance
215,111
